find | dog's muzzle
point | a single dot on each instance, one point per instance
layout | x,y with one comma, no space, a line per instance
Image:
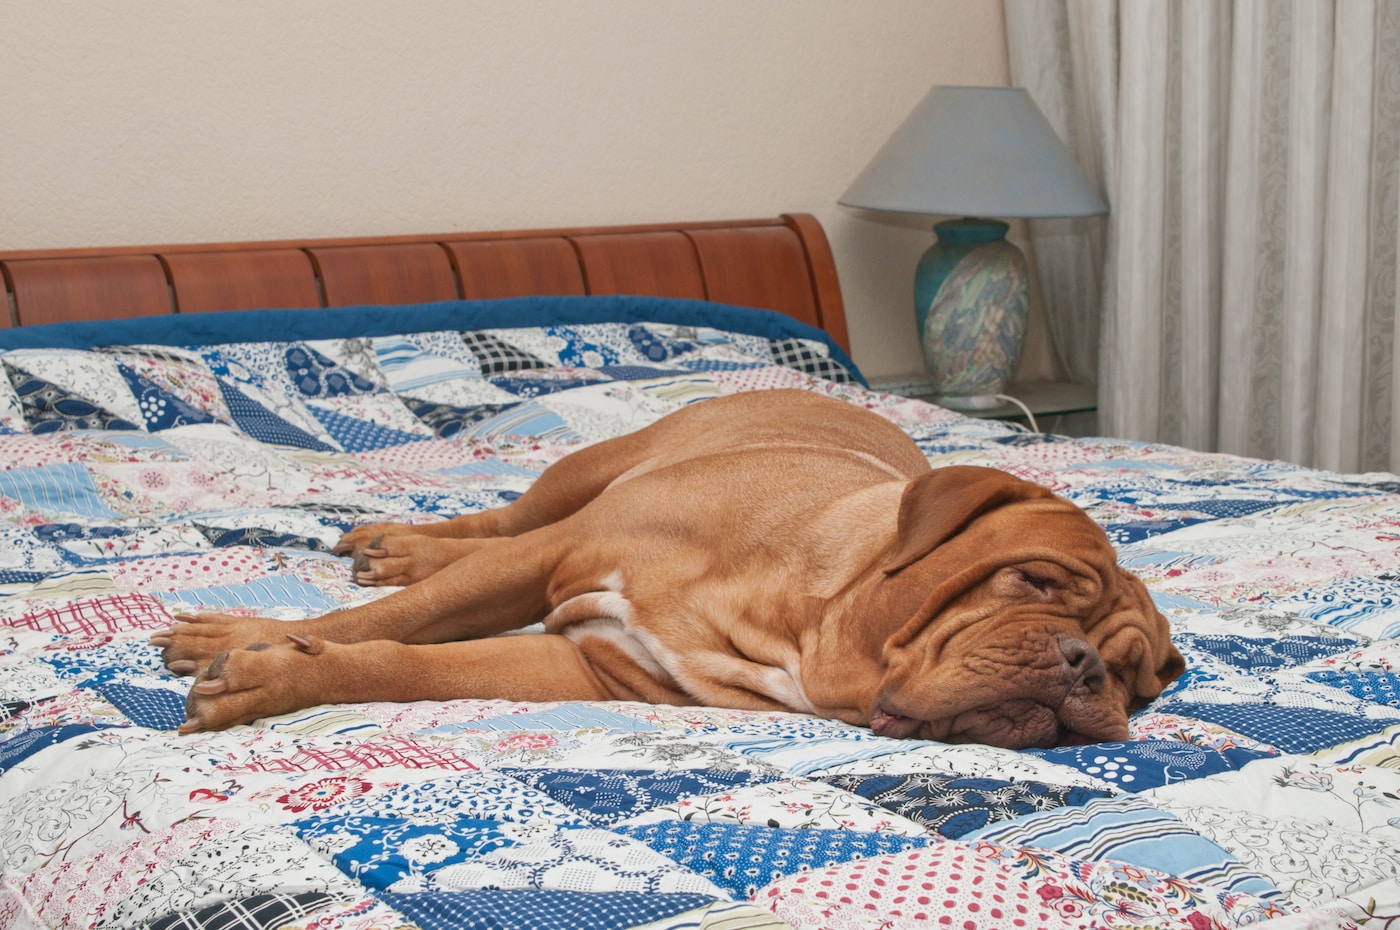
1057,705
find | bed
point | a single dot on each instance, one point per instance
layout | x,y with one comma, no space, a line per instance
192,427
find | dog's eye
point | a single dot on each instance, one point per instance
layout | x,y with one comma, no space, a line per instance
1041,585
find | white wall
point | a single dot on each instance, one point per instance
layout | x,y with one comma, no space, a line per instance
154,121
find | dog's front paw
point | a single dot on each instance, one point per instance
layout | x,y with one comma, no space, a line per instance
190,645
261,680
355,541
402,560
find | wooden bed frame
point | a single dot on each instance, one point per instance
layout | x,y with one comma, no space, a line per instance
782,263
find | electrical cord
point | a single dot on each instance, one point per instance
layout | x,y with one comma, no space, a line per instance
1030,417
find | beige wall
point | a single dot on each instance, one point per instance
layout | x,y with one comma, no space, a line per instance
162,121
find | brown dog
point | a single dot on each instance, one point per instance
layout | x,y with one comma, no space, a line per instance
772,551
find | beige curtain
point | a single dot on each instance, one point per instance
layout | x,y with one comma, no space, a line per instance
1243,298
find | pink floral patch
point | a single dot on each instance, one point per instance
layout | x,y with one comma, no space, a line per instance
525,743
325,793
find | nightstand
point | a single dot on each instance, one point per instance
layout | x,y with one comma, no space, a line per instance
1058,406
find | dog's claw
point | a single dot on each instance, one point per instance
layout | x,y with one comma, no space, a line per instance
360,566
211,686
183,667
309,645
353,540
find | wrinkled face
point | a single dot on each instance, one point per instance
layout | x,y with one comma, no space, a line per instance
1028,635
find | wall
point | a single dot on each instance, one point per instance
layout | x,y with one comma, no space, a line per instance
155,121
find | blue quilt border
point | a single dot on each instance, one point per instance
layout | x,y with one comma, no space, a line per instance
220,328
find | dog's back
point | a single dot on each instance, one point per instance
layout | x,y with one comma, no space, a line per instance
787,420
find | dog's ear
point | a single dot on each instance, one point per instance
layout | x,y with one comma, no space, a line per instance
937,505
1158,661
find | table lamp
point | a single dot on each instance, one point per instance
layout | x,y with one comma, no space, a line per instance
974,152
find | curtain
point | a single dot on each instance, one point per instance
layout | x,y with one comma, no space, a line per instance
1241,295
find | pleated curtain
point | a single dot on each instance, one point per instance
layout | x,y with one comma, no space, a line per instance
1241,295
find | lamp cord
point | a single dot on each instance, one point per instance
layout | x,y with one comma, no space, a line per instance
1007,398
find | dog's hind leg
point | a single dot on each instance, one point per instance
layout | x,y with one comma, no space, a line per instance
562,489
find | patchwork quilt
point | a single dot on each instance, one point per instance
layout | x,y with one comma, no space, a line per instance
144,480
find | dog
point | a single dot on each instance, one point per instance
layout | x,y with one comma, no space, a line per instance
776,551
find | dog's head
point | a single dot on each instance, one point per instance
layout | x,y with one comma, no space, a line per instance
1022,630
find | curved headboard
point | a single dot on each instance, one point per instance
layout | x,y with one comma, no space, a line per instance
783,263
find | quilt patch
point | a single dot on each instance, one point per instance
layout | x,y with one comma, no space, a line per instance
259,912
741,858
955,806
541,910
606,797
48,408
1147,764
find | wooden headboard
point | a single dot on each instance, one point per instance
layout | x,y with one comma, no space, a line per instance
783,263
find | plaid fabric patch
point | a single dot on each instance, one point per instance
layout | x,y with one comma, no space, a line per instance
498,357
810,358
447,420
109,613
260,912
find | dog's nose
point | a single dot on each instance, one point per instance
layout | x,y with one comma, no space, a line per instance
1083,664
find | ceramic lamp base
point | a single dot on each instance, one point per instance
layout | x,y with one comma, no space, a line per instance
971,402
972,297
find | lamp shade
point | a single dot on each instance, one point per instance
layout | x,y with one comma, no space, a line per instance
975,151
